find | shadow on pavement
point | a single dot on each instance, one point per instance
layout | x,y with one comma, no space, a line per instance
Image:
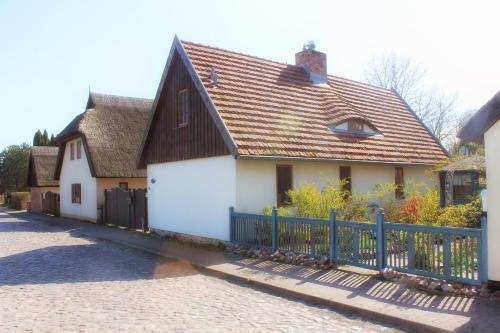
365,286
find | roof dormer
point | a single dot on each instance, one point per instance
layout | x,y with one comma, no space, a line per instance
355,126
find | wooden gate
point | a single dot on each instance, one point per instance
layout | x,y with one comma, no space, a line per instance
126,208
50,203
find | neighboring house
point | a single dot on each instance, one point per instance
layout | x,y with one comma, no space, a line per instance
41,169
484,128
461,180
229,129
97,151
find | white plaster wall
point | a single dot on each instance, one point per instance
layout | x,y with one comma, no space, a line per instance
492,149
256,179
107,183
192,197
77,171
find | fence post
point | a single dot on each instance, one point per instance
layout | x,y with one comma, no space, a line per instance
380,240
333,241
274,228
231,224
484,250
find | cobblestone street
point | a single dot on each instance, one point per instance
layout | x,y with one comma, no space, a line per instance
53,281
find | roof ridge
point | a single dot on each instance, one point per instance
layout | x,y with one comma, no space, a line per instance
93,93
360,82
281,63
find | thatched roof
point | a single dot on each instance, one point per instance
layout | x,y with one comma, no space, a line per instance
42,166
111,128
481,121
468,163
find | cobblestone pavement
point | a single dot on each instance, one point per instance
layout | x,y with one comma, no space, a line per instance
53,281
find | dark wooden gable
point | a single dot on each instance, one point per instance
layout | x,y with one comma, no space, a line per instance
166,141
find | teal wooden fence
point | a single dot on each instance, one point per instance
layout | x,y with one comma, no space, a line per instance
454,254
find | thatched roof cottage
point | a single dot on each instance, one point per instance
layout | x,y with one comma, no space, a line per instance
41,169
97,151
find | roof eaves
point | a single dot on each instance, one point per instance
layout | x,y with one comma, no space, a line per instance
289,158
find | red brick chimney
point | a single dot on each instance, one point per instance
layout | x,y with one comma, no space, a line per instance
313,62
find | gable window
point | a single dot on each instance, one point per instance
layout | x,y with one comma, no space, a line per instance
182,107
71,151
354,125
76,193
124,186
346,179
399,181
283,184
78,149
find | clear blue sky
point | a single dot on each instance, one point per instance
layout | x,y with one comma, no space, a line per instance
52,51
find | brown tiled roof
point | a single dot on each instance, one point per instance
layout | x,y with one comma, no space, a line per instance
42,165
272,109
112,127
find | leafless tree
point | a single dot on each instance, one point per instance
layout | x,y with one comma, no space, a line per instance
435,108
398,73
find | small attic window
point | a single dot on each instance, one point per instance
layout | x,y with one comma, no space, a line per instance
354,127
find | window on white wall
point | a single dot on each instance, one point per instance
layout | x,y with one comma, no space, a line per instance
399,181
78,149
284,183
72,151
76,193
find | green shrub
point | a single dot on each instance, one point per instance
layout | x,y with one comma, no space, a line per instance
355,208
281,211
19,200
384,196
463,216
421,209
420,205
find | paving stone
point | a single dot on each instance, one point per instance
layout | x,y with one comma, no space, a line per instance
52,281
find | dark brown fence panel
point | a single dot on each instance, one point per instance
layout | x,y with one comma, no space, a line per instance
126,208
50,203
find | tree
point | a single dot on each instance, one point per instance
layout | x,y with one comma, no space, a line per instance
45,138
40,139
37,138
435,108
398,73
14,162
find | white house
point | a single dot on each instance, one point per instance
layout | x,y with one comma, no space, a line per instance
97,151
484,128
229,129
